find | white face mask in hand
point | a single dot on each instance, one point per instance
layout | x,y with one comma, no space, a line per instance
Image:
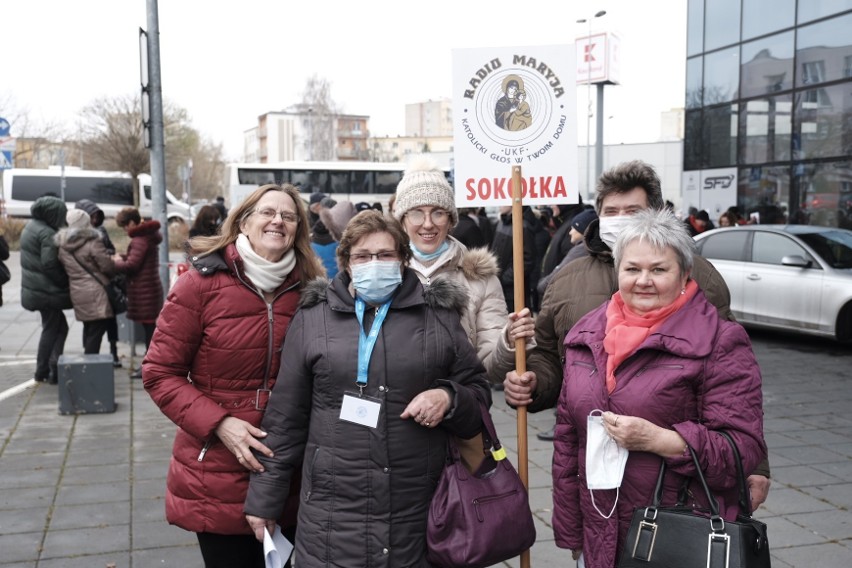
605,459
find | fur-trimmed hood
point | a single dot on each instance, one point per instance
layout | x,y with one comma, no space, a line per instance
442,294
478,264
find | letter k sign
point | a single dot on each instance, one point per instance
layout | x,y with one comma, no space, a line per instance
589,49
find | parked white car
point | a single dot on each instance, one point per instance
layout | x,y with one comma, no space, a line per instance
791,277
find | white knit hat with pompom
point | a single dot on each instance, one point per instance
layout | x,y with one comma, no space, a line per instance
424,184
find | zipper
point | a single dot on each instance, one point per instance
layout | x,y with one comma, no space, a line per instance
490,499
270,319
206,447
311,474
643,369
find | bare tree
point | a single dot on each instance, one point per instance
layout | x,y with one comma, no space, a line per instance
112,135
322,112
113,140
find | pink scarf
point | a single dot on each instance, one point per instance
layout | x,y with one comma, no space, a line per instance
626,330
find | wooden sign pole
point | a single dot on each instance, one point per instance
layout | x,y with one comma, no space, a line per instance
520,343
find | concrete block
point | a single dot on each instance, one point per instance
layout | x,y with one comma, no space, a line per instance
86,384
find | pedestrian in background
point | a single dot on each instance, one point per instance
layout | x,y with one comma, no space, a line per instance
467,231
141,265
96,217
219,204
89,267
222,328
333,220
4,270
44,283
206,223
503,247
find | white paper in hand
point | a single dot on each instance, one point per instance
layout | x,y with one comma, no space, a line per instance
276,548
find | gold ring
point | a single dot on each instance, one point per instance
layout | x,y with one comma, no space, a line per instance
616,421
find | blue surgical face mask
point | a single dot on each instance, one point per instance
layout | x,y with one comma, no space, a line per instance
376,281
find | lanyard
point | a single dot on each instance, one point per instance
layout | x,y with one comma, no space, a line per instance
365,342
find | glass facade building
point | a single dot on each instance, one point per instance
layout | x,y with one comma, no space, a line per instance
769,105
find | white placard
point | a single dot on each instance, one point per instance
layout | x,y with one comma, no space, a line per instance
515,106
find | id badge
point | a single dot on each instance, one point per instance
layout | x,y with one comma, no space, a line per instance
360,410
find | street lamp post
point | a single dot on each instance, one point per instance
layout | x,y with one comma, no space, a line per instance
588,56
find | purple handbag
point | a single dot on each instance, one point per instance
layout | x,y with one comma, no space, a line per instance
477,520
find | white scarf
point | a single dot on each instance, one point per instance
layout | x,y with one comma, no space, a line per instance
265,274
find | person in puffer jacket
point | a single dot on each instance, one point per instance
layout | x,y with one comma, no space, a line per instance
369,473
214,358
666,373
44,283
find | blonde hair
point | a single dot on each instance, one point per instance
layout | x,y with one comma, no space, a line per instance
309,264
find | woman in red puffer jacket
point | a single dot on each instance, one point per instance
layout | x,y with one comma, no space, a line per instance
214,358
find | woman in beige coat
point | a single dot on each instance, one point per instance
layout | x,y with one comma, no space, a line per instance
425,206
89,267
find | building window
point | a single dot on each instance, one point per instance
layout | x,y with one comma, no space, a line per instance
721,76
766,127
810,10
764,190
719,130
765,16
721,23
822,129
695,27
767,65
821,50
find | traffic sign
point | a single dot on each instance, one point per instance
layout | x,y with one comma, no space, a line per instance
4,126
7,151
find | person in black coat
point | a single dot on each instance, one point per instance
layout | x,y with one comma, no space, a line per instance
502,248
468,232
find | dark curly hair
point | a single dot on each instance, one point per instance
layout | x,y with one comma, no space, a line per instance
627,176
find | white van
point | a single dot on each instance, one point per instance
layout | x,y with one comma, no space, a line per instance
111,191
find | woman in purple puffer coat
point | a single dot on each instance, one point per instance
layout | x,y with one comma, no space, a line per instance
666,372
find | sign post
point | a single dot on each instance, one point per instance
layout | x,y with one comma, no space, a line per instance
515,107
7,146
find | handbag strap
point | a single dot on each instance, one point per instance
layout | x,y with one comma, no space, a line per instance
86,268
699,474
744,500
490,441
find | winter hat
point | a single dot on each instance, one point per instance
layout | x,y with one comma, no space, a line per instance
424,184
77,219
582,220
703,216
336,218
362,206
317,197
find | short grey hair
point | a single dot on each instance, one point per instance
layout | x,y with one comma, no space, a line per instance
662,230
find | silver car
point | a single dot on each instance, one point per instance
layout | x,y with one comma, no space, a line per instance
791,277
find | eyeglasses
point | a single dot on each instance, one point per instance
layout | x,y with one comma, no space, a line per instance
286,216
439,217
364,257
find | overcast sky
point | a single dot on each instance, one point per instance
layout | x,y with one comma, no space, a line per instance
227,63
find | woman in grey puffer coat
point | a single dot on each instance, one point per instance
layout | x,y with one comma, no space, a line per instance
366,487
89,267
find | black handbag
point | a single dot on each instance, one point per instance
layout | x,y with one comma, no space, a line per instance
665,537
115,295
480,519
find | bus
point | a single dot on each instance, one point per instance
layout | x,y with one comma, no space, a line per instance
352,181
111,191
